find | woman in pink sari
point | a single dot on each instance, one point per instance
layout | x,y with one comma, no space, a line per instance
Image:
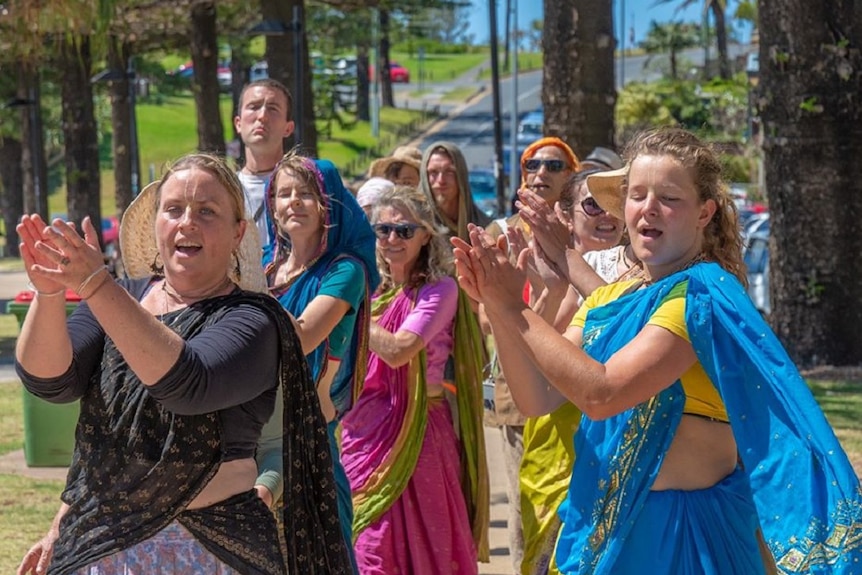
399,447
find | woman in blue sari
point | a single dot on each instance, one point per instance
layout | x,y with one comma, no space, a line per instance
701,450
321,268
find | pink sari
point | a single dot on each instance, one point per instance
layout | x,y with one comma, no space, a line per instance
402,458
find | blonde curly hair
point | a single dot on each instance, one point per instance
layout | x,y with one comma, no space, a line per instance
722,239
435,260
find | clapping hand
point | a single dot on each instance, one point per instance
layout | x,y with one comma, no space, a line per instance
56,256
485,272
551,236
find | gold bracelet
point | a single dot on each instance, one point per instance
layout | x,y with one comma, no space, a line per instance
88,279
33,289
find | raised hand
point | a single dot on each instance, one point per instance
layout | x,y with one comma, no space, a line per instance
56,256
549,231
485,272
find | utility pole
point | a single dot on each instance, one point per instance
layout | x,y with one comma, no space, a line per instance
513,132
495,97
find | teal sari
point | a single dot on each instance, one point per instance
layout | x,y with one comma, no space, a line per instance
806,493
348,235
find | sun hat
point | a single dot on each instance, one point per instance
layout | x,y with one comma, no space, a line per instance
607,189
139,250
410,155
368,192
603,158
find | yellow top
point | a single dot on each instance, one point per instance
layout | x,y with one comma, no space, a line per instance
702,397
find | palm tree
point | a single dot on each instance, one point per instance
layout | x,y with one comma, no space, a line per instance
718,9
670,38
578,92
808,99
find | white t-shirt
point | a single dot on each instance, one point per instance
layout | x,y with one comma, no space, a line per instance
255,207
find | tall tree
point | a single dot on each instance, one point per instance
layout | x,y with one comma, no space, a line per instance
204,48
80,135
280,56
578,91
810,102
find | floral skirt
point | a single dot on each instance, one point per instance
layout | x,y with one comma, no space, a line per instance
171,551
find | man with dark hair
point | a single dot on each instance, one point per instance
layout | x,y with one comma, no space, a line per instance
263,121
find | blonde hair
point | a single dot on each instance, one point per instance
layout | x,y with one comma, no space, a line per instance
722,240
215,166
435,258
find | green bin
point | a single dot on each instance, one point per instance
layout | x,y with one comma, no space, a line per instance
49,428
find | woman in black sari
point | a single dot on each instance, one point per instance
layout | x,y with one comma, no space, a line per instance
177,370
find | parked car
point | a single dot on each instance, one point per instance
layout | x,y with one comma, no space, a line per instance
187,72
756,259
531,127
397,73
483,186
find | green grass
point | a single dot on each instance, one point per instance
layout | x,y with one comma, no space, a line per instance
841,401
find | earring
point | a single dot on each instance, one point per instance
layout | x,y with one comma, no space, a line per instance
156,267
237,270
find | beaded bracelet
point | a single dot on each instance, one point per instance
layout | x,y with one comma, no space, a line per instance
88,279
33,289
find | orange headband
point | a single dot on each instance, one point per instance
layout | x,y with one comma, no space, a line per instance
574,163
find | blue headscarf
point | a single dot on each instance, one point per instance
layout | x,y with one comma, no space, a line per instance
806,492
347,235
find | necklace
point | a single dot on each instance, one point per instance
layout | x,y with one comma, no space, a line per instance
181,299
257,172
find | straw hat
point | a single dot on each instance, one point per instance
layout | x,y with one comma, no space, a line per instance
410,155
139,251
607,189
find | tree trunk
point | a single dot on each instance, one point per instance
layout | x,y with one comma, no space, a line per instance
809,102
507,31
721,39
363,99
204,49
281,59
121,124
80,135
35,194
578,92
11,196
387,98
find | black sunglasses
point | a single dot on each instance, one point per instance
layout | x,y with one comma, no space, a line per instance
403,231
591,207
553,166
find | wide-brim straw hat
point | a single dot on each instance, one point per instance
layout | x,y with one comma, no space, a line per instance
607,189
410,155
139,250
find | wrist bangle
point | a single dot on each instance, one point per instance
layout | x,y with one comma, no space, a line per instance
33,289
88,279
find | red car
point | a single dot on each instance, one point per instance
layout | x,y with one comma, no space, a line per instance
397,73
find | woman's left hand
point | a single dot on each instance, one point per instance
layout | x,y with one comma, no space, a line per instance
546,226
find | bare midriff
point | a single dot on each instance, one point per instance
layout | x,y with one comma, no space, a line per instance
232,478
702,453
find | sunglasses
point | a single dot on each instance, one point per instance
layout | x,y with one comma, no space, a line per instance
403,231
591,207
553,166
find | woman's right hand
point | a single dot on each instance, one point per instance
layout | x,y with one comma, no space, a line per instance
549,231
37,559
31,232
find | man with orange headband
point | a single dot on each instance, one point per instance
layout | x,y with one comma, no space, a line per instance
546,164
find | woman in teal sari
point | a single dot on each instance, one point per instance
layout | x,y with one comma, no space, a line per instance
701,450
321,268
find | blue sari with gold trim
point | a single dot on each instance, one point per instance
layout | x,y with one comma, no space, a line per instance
806,493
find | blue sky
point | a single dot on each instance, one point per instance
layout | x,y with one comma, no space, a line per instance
638,14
